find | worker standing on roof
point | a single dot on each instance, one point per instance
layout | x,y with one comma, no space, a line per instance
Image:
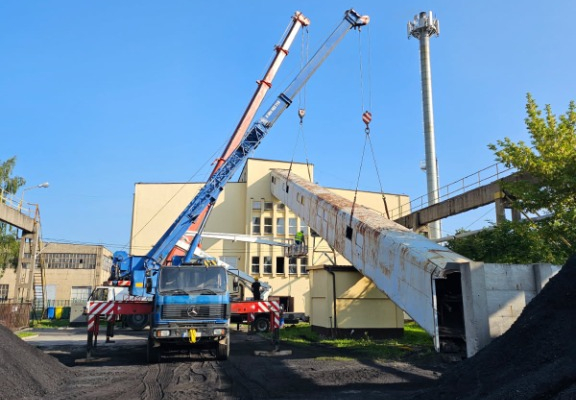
256,289
299,238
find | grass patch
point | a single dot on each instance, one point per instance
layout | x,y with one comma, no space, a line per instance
414,342
335,358
25,334
49,323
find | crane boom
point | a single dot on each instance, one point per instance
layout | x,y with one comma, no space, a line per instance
215,184
298,21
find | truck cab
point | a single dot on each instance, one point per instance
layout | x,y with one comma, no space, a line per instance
191,307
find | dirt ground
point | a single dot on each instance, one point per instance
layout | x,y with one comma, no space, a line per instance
534,360
313,372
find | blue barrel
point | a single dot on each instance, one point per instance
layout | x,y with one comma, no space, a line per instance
50,312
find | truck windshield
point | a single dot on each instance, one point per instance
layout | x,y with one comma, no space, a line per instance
187,280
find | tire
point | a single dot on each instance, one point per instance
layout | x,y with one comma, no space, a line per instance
223,348
137,322
261,324
152,353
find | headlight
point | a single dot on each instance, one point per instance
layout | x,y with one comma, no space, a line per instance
219,332
162,333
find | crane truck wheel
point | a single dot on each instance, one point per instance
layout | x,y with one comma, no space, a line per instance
137,322
262,324
223,348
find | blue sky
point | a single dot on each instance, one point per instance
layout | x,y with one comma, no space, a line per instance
99,95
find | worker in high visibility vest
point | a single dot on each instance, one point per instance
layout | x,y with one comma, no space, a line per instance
299,238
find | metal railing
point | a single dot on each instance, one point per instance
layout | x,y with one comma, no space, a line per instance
25,208
469,182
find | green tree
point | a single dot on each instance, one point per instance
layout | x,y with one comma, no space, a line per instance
8,183
508,242
551,160
9,244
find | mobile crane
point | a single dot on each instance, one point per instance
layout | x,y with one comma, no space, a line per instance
189,300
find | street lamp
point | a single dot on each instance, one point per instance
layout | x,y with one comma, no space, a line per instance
41,186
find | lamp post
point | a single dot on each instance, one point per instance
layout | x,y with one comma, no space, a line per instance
41,186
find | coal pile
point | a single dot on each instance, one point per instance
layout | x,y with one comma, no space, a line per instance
534,359
25,371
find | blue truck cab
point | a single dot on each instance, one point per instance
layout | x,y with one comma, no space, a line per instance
191,308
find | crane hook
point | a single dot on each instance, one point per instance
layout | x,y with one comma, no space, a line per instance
367,118
301,113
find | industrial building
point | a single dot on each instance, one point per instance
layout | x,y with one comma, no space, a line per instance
71,271
248,207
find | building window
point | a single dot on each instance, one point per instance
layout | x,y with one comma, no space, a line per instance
280,265
292,266
69,261
304,228
256,225
292,226
268,206
280,206
79,294
267,264
255,266
268,226
303,265
256,205
4,291
280,227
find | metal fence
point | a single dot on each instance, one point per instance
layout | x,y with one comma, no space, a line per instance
15,316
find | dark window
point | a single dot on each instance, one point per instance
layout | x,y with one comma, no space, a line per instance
255,265
279,265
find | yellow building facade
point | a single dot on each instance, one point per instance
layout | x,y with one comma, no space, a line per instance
247,207
71,272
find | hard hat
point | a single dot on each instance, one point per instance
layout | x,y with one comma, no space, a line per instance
256,279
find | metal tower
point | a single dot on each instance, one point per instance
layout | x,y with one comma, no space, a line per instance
422,27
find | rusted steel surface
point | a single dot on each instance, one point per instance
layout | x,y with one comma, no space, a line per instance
400,262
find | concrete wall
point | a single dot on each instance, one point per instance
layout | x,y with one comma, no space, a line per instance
494,296
509,288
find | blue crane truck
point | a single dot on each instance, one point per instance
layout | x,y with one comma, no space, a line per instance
189,300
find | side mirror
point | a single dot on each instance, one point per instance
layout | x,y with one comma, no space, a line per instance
148,285
235,283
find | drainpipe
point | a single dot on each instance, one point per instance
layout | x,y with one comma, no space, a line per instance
329,269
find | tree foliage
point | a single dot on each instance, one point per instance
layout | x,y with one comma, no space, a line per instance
8,183
551,160
9,244
508,242
9,248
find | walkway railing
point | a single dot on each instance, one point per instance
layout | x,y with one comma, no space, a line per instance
11,201
472,181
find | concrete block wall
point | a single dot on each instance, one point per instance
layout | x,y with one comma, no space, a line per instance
494,296
509,287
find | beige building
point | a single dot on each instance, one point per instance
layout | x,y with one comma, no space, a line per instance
71,271
248,207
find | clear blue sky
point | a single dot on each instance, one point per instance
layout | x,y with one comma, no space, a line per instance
96,96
